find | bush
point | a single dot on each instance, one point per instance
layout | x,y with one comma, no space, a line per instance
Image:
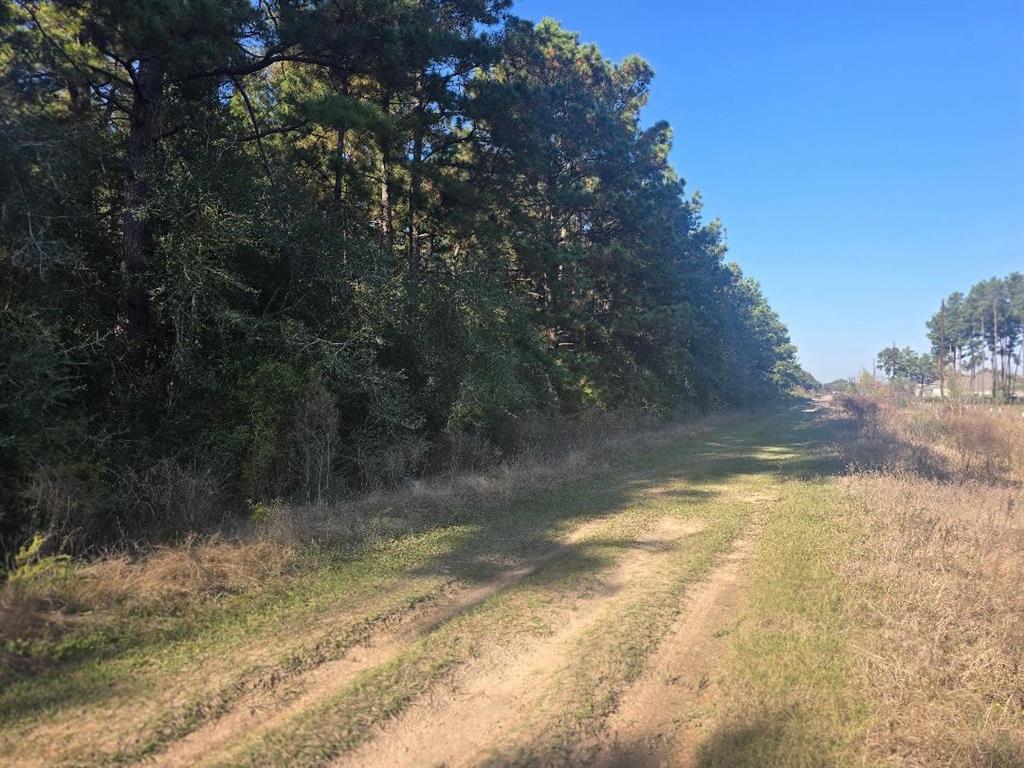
33,565
73,503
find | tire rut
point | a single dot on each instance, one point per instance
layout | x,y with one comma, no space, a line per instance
658,722
262,710
482,707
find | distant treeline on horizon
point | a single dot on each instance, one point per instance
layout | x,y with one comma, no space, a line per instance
982,330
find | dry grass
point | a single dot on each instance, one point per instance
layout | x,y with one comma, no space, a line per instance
942,577
197,567
549,460
68,595
949,441
64,595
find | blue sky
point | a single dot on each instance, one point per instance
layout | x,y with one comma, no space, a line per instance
866,158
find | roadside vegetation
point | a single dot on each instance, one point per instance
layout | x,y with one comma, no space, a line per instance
834,582
292,252
942,486
886,611
51,604
501,564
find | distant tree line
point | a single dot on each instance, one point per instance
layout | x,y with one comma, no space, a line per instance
907,365
284,249
983,328
969,334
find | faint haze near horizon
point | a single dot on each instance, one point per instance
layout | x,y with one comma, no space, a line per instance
866,159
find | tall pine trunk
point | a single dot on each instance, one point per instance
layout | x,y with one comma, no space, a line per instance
387,225
136,236
341,86
339,165
415,186
1015,369
995,346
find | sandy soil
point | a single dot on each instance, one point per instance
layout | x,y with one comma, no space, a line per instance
493,702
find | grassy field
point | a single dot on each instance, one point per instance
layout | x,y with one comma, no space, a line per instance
724,594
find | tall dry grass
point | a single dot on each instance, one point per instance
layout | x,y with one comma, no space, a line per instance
941,576
951,441
54,595
548,459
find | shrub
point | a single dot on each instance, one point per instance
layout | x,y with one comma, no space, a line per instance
33,564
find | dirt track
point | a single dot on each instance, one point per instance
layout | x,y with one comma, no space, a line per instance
498,698
496,702
587,625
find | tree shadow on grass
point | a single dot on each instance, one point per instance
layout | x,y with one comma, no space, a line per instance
528,532
772,738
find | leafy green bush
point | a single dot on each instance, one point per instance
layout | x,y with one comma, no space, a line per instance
33,566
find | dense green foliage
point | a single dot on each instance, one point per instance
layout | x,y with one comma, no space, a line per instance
281,250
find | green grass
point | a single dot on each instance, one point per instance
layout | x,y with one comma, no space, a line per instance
730,489
156,678
211,642
791,693
702,479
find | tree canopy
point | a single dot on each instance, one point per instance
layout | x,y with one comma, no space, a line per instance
266,250
907,365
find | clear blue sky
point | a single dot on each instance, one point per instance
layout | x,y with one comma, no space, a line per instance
866,158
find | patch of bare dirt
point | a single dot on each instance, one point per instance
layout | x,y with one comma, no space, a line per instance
660,721
490,703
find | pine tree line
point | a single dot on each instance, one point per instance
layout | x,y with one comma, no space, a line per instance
277,249
982,329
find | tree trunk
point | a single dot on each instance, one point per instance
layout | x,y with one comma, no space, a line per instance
339,165
1015,370
942,353
387,226
995,346
415,184
136,237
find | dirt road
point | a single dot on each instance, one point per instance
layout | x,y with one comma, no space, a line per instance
587,624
